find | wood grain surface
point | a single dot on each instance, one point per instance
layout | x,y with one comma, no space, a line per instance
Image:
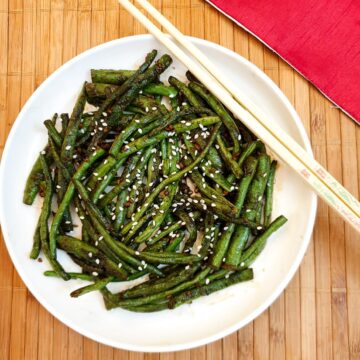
317,316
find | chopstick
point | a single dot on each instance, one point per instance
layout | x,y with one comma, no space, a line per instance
251,116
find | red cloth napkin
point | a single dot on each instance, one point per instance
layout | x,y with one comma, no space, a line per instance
319,38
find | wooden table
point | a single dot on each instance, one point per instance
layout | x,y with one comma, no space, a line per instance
317,316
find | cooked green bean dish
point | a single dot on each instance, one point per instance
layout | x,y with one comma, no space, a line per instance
157,181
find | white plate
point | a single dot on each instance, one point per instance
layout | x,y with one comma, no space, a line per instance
208,318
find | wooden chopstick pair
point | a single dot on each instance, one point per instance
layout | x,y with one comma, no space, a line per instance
286,148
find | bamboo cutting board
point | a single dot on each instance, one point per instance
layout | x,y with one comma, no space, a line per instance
318,314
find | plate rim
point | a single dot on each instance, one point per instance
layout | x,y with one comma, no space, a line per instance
208,339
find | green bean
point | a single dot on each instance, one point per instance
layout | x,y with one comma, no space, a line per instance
146,103
159,246
110,164
228,158
213,156
249,150
164,155
35,250
135,125
179,128
269,193
98,285
159,218
168,258
91,254
128,180
210,234
160,89
220,110
153,170
63,177
132,228
159,285
189,95
254,196
161,295
176,176
101,245
64,124
33,181
125,253
90,206
222,245
71,133
206,189
175,243
165,232
251,253
68,197
190,225
53,133
206,167
128,91
43,221
190,295
120,210
72,275
111,76
104,183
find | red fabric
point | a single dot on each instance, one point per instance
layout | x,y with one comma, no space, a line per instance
319,38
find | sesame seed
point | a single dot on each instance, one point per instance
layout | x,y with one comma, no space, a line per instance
68,147
259,227
90,254
97,261
120,265
95,273
207,281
